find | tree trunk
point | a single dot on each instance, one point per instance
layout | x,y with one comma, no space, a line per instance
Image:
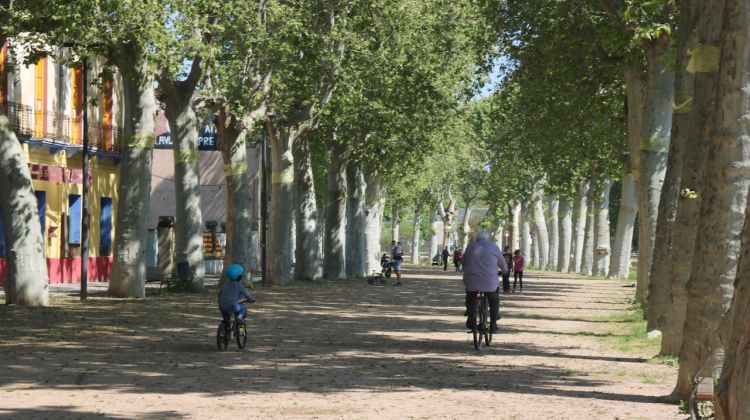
601,242
734,383
26,278
466,228
619,266
723,203
184,130
395,225
434,238
416,236
446,214
587,255
685,231
281,211
565,228
128,278
356,222
239,196
525,230
655,135
659,284
335,233
579,227
553,207
542,237
308,264
375,201
635,87
515,234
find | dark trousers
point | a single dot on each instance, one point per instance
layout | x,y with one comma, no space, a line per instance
494,301
518,277
506,282
445,263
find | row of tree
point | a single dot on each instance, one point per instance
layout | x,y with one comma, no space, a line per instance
350,91
593,94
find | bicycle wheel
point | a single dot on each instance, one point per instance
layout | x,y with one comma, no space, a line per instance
476,330
388,272
222,337
486,330
240,331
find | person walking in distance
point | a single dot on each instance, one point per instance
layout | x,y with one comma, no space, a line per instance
397,253
508,262
518,263
445,256
482,260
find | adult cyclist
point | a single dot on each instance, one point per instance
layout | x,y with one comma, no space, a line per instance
482,259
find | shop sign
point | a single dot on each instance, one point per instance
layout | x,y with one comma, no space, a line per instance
57,174
207,139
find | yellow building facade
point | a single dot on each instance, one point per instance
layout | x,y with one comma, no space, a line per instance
44,103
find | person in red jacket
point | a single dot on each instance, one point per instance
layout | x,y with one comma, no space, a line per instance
518,263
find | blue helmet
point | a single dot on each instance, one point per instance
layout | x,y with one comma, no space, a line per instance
234,272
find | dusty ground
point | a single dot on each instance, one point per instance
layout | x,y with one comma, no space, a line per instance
331,350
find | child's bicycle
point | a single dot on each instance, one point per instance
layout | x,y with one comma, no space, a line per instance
237,329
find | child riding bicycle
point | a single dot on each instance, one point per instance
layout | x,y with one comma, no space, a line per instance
231,294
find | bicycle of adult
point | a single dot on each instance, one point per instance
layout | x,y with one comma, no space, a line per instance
237,330
481,330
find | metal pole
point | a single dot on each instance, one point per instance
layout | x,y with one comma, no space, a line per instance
85,194
264,208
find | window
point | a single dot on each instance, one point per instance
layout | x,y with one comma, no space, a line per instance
74,219
105,228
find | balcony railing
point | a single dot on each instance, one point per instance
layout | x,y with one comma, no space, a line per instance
56,126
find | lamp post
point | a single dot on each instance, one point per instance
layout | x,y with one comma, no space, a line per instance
85,192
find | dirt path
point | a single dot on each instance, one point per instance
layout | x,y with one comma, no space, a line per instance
332,350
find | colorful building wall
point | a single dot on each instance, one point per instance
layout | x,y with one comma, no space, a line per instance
44,103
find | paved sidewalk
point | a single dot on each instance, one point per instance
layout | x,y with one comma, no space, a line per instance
100,287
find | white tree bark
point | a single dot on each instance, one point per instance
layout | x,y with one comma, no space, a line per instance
239,195
587,256
375,201
184,129
128,277
540,228
553,206
655,135
308,264
619,266
281,209
395,225
26,278
434,237
447,214
579,228
416,236
565,221
466,228
335,231
602,249
515,234
525,230
356,222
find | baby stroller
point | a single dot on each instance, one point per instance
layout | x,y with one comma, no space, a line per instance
386,268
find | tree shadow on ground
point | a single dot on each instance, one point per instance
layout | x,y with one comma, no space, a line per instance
321,338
